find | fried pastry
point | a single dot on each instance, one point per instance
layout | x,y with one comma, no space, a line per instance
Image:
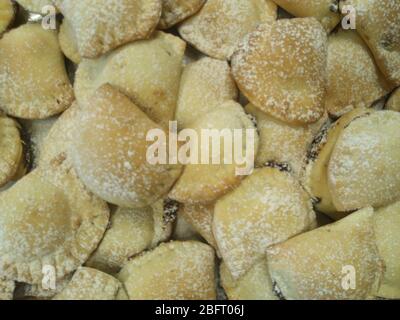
100,26
7,288
221,24
336,262
268,207
131,232
35,5
175,11
378,24
326,11
110,151
34,82
394,101
387,230
205,183
205,84
68,43
173,271
148,72
354,80
48,219
91,284
281,69
11,150
254,285
364,169
7,13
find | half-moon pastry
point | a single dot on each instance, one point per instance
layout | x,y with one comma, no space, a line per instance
281,69
7,13
175,11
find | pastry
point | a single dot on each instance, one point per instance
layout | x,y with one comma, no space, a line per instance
336,262
268,207
281,69
175,11
173,271
184,231
6,289
34,82
221,24
7,13
68,43
35,5
148,72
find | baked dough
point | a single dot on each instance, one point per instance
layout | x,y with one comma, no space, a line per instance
387,230
148,72
68,43
131,232
114,168
281,69
173,271
364,169
48,218
11,150
91,284
326,11
205,84
378,24
394,101
221,24
184,231
34,82
314,265
205,183
6,289
283,143
100,26
7,13
175,11
354,80
35,5
255,285
268,207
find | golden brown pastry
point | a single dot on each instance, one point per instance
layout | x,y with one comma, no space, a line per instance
221,24
173,271
175,11
7,13
100,26
254,285
205,84
148,72
326,11
48,219
91,284
354,80
378,24
281,69
387,230
118,169
336,262
394,101
34,82
268,207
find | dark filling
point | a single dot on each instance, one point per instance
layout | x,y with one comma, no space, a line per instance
315,147
277,291
284,167
171,208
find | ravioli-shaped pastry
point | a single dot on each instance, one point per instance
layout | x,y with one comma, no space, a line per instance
378,24
175,11
11,150
33,80
254,285
336,262
68,42
394,101
91,284
201,218
100,26
205,84
148,72
131,232
268,207
173,271
387,230
283,143
48,220
354,80
110,151
7,288
35,5
326,11
206,182
7,13
364,169
281,69
220,25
